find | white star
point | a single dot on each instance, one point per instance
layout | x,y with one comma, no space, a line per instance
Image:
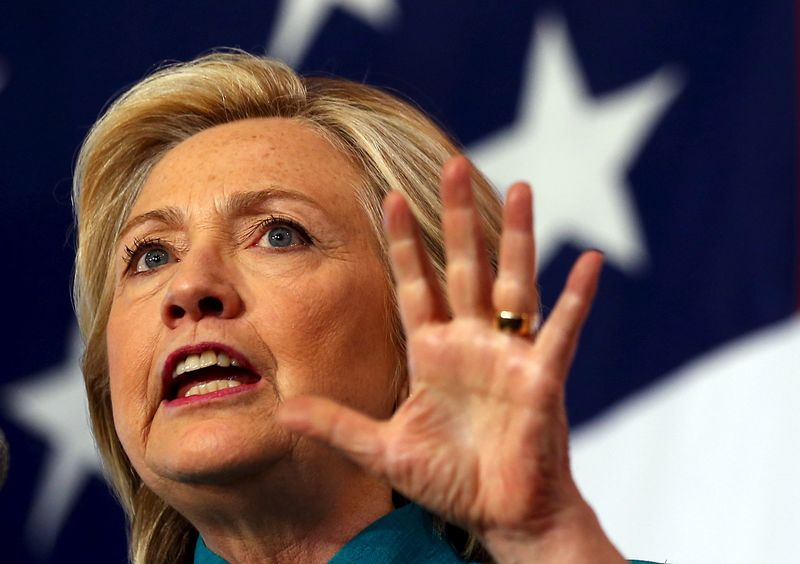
52,405
576,150
299,21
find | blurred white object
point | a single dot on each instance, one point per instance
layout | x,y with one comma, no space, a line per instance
703,466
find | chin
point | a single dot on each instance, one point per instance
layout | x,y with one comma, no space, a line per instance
215,456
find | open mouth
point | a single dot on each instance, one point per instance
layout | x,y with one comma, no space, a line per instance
205,369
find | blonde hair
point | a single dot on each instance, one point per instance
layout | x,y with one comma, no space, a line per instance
394,145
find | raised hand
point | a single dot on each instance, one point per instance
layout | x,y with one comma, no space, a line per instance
483,437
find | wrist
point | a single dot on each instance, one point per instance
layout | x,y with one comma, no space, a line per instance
573,536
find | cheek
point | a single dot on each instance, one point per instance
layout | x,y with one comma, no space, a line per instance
130,342
335,340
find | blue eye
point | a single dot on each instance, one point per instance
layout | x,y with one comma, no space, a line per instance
280,233
147,255
280,237
152,259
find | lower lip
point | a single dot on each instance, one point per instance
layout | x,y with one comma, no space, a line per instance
211,396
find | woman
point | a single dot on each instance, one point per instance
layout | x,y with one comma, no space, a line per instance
260,384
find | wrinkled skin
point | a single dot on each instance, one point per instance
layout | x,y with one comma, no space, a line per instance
483,436
215,276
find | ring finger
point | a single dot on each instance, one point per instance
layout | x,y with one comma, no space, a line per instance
515,287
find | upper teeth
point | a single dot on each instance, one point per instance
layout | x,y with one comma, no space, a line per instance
203,360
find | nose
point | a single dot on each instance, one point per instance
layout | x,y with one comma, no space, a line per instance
202,287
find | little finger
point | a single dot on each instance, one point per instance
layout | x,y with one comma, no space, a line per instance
558,338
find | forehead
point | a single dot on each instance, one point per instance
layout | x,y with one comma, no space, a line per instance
251,155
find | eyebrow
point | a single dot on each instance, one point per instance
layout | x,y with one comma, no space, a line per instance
248,203
241,204
169,216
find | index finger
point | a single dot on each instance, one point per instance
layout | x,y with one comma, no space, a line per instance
419,297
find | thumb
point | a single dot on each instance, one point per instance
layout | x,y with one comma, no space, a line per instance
357,436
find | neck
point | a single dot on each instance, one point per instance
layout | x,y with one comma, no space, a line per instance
288,516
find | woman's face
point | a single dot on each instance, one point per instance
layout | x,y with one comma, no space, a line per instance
246,247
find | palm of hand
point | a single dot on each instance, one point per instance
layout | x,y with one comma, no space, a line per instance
482,438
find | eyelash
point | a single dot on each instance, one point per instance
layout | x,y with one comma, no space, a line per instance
263,226
141,246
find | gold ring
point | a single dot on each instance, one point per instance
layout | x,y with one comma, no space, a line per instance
512,322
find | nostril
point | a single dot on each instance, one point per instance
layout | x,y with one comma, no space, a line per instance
179,307
176,312
210,305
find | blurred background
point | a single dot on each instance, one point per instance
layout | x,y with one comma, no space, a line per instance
663,132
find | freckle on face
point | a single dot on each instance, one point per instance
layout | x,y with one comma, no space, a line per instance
299,324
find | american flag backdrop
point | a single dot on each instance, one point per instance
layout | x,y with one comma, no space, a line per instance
663,132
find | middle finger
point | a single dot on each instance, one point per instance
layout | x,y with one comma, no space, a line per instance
469,277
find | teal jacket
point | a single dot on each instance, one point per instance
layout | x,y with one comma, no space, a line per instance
405,535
